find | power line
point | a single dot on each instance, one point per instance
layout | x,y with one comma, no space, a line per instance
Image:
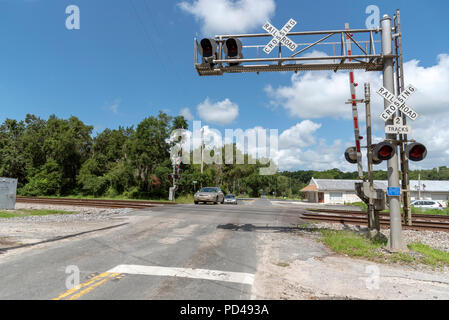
147,35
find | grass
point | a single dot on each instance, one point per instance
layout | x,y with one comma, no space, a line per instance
443,212
351,243
25,213
357,245
283,264
185,199
431,256
297,198
361,205
101,198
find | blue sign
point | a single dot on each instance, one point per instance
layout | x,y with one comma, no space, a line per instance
394,191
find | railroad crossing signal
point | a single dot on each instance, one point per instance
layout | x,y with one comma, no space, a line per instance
208,49
381,152
398,103
280,36
233,50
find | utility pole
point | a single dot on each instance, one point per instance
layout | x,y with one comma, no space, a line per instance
202,149
396,242
419,186
373,216
405,181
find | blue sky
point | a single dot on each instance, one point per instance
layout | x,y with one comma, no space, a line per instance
132,58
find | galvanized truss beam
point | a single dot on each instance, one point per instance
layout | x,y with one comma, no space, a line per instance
206,70
362,61
303,33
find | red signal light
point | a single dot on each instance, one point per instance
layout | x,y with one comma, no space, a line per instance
416,151
233,50
384,151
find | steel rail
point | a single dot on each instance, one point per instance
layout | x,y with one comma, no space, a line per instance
359,218
92,202
345,212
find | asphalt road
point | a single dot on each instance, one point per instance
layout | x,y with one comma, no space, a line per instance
174,252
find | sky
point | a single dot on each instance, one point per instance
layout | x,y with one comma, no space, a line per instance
130,59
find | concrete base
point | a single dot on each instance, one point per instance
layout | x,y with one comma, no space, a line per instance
402,248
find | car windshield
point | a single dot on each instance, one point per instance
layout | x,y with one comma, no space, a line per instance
230,197
208,190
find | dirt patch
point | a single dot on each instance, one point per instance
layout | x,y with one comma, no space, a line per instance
294,266
6,242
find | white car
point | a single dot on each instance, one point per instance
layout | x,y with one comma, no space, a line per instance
427,204
230,199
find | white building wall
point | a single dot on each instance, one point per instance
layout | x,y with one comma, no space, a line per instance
340,197
351,197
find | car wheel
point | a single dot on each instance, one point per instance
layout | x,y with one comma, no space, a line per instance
216,201
196,202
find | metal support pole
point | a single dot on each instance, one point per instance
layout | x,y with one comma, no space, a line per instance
373,216
396,242
202,150
400,86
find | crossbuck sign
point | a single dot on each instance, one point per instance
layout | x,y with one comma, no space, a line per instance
280,36
398,103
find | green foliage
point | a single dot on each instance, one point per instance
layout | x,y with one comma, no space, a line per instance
61,157
47,181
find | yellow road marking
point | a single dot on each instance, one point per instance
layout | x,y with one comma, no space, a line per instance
82,285
92,287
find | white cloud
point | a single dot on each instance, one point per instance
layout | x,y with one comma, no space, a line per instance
298,149
320,94
221,113
313,95
186,114
301,135
114,106
229,16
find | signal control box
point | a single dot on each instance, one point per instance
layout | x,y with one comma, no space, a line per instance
379,196
8,189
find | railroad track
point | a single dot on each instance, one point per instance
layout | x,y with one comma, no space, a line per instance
419,221
93,202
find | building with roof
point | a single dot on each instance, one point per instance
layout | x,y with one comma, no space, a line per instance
334,191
